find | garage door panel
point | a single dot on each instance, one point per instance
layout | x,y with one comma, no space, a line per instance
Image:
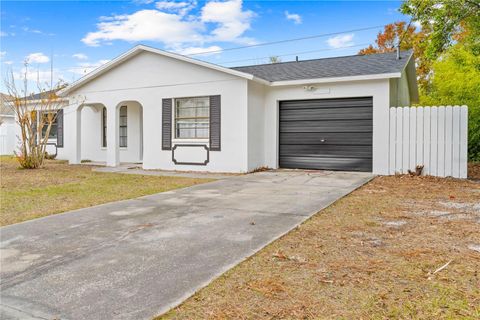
343,138
327,151
327,103
331,134
348,113
326,126
350,164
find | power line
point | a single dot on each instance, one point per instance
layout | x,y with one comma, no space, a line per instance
250,59
408,27
287,40
404,33
297,53
264,44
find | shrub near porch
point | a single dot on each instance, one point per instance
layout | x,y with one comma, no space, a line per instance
59,187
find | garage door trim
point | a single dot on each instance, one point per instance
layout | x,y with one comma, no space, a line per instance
332,134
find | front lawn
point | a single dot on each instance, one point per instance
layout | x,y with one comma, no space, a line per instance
59,187
398,248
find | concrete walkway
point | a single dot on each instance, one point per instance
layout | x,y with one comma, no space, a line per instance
137,169
137,258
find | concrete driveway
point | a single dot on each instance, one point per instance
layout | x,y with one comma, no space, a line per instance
137,258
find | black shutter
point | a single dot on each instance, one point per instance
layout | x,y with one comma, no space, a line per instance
215,125
60,128
166,124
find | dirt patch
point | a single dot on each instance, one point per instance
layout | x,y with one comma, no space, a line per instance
386,251
474,171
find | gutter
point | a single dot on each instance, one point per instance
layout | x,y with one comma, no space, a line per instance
336,79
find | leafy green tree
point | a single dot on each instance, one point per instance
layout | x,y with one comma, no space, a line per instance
275,59
388,40
450,20
456,81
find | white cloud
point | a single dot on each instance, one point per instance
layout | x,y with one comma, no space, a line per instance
199,51
86,67
341,41
3,34
417,24
230,19
172,24
151,25
296,18
2,56
40,77
143,1
182,7
80,56
171,5
37,57
36,31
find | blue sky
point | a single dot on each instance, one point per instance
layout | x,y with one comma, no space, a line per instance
80,35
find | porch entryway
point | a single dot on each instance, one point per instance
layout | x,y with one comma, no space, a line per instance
109,135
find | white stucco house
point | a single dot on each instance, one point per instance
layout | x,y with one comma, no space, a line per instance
171,112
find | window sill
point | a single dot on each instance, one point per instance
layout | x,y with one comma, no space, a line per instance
199,141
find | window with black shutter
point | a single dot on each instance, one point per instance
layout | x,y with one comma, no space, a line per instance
192,118
215,123
60,128
166,124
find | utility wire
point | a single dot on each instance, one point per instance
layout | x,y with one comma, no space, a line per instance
250,59
285,41
297,53
404,33
406,30
266,44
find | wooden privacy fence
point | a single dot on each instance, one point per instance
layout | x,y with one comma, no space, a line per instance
435,137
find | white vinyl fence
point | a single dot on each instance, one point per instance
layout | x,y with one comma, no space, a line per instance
435,137
7,138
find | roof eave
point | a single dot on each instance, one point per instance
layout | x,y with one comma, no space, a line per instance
261,81
139,48
336,79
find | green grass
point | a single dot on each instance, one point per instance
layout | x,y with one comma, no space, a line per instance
59,187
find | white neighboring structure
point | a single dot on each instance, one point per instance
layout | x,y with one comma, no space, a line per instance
7,129
7,134
172,112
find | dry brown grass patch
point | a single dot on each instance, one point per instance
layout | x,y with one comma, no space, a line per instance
370,255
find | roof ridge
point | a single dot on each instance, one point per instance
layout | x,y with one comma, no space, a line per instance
326,58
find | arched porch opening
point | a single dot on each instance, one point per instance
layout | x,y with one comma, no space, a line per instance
109,134
87,134
130,131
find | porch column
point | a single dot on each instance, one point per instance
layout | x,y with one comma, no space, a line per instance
77,136
113,154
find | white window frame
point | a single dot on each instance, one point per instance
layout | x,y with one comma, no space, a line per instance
40,118
120,126
174,121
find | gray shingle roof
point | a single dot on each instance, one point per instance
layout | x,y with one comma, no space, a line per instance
330,67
